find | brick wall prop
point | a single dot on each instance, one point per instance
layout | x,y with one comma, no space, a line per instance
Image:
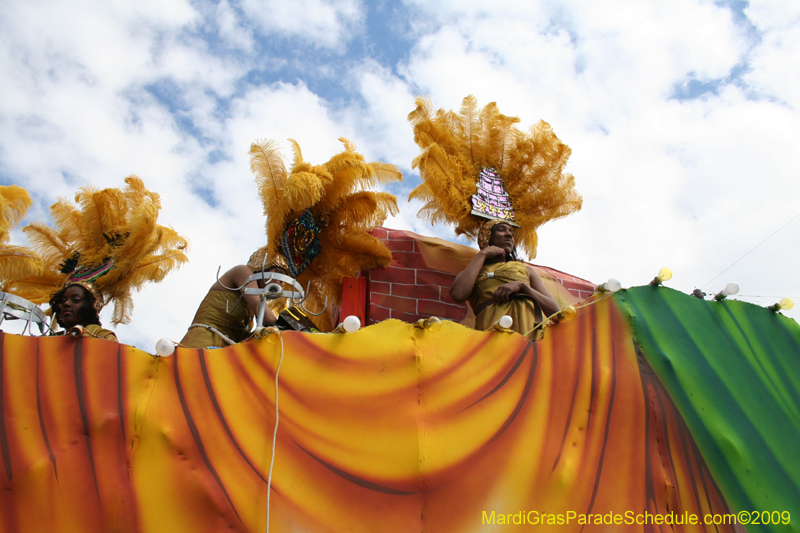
417,282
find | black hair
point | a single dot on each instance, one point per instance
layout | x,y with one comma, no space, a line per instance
509,257
86,313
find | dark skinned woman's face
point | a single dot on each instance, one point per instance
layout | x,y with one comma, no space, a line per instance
503,237
74,300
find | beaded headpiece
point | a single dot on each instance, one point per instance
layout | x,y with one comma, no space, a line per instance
475,164
491,201
300,242
86,277
485,233
256,263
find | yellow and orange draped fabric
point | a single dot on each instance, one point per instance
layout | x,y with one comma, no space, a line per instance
433,431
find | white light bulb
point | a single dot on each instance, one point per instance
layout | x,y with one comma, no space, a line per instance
731,288
165,347
612,285
505,322
351,324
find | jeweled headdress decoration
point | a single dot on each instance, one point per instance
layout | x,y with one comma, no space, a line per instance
475,164
300,242
15,261
110,244
491,201
319,216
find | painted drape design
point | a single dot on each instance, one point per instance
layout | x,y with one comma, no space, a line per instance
392,428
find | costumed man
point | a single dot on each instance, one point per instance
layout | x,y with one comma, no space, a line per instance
496,283
495,184
99,252
225,313
318,220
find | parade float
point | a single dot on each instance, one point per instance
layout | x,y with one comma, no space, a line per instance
637,409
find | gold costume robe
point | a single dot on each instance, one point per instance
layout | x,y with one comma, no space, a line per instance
524,310
225,312
95,331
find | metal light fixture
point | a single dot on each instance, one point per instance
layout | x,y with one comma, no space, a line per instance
433,323
784,305
503,323
612,285
665,274
350,324
730,288
566,314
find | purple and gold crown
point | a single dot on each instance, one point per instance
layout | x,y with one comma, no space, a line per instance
492,201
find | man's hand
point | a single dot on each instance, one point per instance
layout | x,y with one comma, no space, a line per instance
493,251
503,293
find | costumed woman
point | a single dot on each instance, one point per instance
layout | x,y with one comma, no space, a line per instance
495,184
225,313
75,305
318,221
99,252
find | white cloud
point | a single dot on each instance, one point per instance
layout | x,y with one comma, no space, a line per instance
774,71
231,29
321,23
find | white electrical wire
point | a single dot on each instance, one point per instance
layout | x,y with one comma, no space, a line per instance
274,433
751,251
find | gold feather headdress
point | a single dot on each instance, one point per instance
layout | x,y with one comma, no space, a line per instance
15,261
459,148
110,243
328,200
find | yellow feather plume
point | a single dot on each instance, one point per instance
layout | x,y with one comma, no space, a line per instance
106,224
335,193
14,203
15,261
455,147
266,163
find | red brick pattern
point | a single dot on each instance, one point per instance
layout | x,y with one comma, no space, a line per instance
407,289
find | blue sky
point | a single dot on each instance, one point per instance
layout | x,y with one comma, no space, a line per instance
682,117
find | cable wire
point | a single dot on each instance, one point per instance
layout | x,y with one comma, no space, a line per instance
274,433
751,251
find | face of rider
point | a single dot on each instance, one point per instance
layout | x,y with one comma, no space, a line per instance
503,237
276,270
74,302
